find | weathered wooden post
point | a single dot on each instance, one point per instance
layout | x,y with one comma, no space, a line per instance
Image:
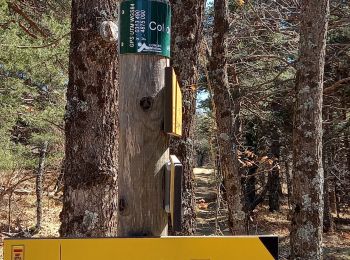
143,152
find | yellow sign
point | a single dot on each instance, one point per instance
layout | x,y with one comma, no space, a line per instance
46,249
173,104
167,248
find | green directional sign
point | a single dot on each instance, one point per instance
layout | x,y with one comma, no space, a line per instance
145,27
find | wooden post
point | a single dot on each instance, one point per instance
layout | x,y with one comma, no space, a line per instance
143,151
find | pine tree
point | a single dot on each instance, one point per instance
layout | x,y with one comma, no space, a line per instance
90,176
227,118
307,221
187,28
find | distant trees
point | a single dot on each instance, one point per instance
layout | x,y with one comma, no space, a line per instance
32,81
33,64
335,120
90,176
308,178
264,57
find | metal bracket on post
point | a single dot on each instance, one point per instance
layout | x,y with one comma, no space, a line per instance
173,192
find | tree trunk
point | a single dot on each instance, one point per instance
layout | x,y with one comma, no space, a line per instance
39,186
328,157
274,184
226,118
332,198
346,132
307,220
328,221
9,218
250,189
337,199
274,176
250,181
347,148
187,27
90,179
289,179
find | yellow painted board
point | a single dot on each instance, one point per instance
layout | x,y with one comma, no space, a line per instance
173,104
170,248
177,106
35,249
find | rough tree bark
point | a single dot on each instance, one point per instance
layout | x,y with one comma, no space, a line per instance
187,27
90,178
288,166
274,176
226,118
250,180
347,148
346,102
328,221
332,197
327,159
337,199
307,220
250,187
39,186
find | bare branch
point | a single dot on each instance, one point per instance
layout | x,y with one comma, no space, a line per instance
53,43
32,23
336,86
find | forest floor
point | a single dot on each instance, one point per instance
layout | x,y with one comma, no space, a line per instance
211,220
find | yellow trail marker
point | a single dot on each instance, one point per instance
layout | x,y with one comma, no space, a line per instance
173,104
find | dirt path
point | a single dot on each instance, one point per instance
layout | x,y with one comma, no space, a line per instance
206,197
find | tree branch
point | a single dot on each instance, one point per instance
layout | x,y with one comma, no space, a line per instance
258,57
336,86
55,42
27,31
32,23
